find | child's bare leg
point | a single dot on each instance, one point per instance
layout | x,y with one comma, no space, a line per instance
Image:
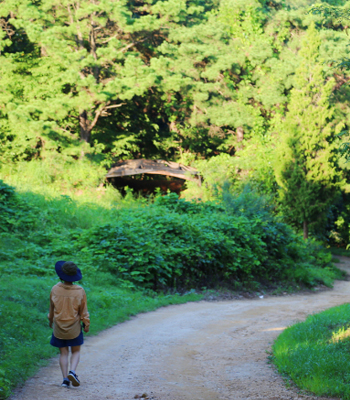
74,358
64,361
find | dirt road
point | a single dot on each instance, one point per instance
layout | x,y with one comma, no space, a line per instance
195,351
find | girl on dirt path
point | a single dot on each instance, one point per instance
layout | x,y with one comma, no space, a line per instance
68,308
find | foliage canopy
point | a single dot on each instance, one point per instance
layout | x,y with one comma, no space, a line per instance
179,80
306,164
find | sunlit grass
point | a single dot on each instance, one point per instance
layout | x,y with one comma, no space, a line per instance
341,334
82,180
315,354
75,193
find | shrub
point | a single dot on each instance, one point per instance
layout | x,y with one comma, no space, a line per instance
171,243
15,214
175,243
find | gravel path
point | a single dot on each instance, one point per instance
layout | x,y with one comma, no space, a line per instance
195,351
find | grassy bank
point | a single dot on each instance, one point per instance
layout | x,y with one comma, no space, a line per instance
165,244
315,354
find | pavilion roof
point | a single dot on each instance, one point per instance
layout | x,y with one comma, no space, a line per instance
158,167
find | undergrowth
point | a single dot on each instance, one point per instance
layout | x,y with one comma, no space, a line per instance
170,243
339,251
315,354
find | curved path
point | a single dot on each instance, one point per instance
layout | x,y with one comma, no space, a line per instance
195,351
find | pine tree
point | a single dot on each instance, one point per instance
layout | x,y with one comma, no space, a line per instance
93,57
306,165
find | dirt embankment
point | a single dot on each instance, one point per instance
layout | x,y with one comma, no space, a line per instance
196,351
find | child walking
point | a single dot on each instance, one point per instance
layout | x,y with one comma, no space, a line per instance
68,309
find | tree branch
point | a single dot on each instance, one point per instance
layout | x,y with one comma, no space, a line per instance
100,112
340,80
114,106
94,121
106,41
72,116
69,133
131,45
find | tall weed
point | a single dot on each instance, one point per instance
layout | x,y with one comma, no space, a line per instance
81,180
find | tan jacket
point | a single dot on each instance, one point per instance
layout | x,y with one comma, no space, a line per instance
68,308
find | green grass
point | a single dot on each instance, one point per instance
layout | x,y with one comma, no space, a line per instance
315,354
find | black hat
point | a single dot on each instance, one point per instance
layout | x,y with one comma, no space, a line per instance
68,271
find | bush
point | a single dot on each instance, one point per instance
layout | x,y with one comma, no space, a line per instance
15,214
171,243
180,244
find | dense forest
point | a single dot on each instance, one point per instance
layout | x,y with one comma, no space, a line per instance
249,92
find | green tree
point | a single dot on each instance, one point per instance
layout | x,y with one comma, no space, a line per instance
175,78
88,61
306,164
93,56
226,74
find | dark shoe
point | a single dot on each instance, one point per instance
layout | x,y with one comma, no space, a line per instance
73,378
65,383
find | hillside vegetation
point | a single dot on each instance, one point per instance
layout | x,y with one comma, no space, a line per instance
250,92
165,244
133,257
231,87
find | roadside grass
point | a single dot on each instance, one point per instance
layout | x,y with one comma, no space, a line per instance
340,251
315,354
24,330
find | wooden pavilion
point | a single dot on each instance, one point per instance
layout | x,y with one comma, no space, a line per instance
135,174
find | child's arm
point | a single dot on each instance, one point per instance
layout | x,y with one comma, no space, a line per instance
50,314
84,313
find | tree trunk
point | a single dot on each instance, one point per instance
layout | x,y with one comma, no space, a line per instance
85,128
240,134
306,230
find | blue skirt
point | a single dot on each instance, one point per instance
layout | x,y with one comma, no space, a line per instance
56,342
